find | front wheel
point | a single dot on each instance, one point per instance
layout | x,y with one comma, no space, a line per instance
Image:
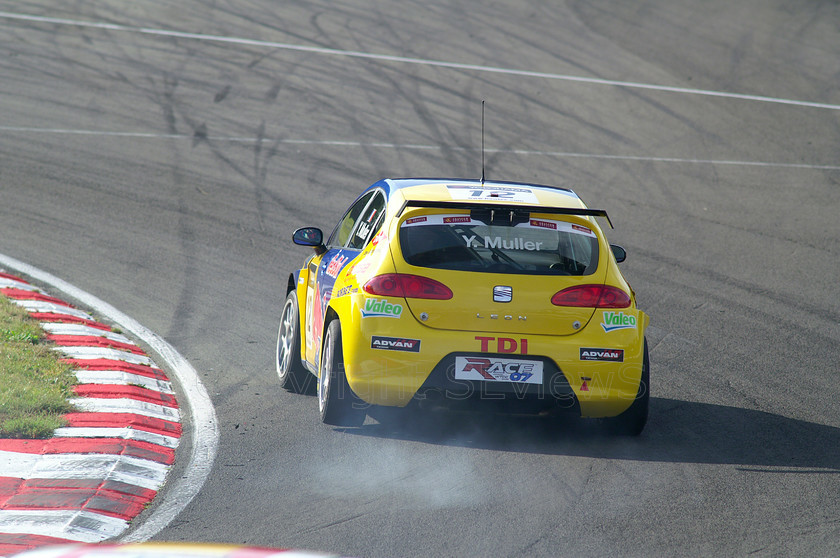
293,376
338,405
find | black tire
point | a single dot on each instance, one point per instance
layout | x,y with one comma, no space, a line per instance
337,403
632,421
293,376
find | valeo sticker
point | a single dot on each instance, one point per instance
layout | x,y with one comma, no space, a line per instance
381,308
618,320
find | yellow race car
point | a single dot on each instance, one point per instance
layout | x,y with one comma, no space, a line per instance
466,293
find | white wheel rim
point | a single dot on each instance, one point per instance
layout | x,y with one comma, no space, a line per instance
284,340
326,372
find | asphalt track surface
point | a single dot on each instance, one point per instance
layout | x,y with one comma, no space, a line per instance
160,155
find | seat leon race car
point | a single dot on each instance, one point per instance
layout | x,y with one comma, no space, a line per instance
466,293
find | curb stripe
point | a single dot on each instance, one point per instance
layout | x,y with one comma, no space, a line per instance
107,364
116,487
27,295
115,391
50,308
125,420
76,525
12,543
91,341
108,503
97,405
130,470
83,330
65,319
108,377
123,433
110,446
83,353
6,283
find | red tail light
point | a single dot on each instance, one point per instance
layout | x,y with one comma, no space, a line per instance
592,296
407,286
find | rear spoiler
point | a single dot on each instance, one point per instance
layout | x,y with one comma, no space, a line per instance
502,209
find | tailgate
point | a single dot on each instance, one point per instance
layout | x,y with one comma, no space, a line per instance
502,274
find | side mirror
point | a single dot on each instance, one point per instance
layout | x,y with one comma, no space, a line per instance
310,236
619,253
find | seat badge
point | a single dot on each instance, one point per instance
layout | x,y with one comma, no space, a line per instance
502,294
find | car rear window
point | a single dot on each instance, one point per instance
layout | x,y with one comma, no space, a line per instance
536,246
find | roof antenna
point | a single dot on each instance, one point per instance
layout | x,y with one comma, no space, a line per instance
482,142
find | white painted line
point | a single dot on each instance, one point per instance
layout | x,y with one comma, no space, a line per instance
76,525
407,60
92,353
204,426
419,147
118,377
83,330
52,308
106,405
123,433
665,159
90,466
12,284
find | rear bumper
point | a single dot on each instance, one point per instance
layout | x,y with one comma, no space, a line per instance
553,395
392,361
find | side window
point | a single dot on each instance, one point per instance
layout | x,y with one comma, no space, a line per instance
341,234
369,223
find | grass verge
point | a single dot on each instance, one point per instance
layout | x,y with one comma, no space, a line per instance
34,383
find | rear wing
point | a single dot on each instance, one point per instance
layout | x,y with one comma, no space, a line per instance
506,212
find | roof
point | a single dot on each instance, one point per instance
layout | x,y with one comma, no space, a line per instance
463,193
491,191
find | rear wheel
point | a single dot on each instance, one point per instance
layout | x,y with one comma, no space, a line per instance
632,421
293,376
338,405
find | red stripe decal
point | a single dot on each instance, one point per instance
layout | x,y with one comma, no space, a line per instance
93,341
122,392
124,420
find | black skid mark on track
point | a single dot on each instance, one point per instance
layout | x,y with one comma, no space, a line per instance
168,104
222,94
199,134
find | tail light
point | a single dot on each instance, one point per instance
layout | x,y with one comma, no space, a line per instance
407,286
592,296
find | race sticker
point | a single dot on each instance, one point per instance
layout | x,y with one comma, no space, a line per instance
336,265
516,244
395,344
618,320
493,193
437,220
540,224
492,242
607,355
488,369
381,309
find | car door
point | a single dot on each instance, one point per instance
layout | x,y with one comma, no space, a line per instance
348,238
